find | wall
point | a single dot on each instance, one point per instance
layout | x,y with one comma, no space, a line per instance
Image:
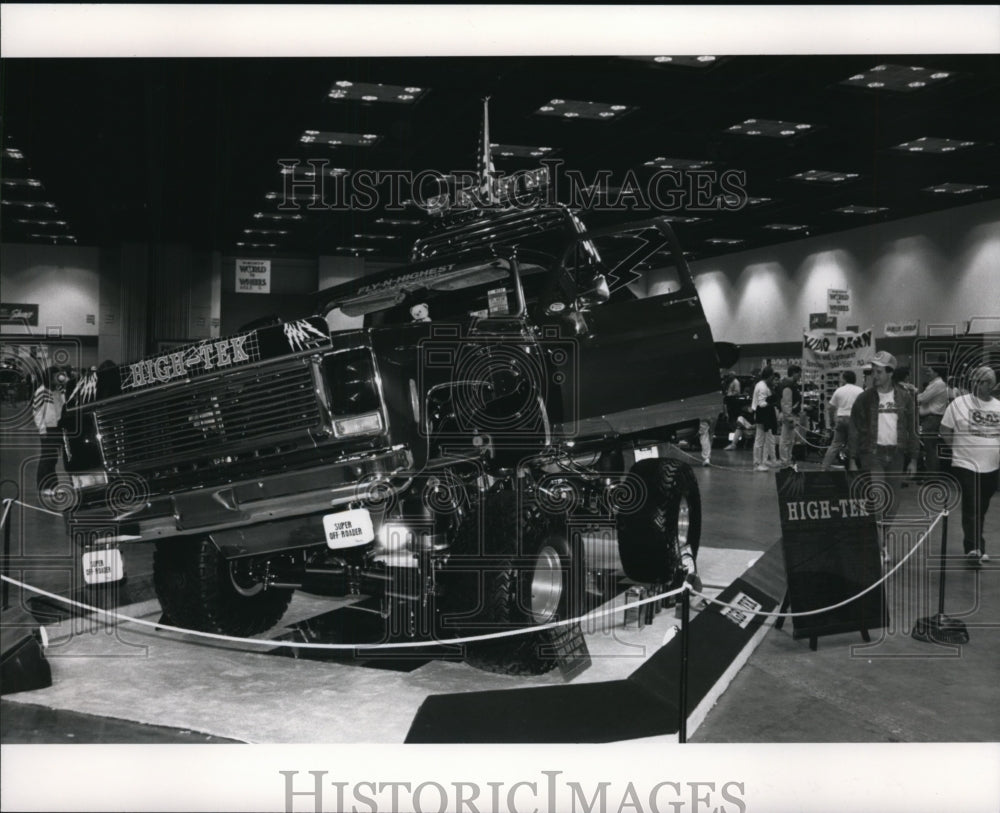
64,281
938,268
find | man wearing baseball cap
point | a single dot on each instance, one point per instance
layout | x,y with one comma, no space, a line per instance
883,428
971,426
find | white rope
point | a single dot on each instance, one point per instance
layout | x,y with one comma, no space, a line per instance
11,501
843,603
593,614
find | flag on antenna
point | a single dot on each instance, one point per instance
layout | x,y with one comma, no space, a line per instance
485,169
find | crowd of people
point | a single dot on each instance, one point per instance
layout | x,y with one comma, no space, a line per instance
888,428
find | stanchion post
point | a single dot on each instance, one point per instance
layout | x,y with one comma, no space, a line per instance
683,701
944,553
6,552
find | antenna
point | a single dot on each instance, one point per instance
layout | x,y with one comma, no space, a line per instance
487,182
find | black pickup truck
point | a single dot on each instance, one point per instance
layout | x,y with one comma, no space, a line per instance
441,436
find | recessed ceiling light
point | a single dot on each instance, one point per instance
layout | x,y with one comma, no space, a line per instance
934,145
37,222
376,236
684,218
572,109
677,163
522,150
724,241
53,237
388,221
955,188
897,78
275,216
265,231
825,176
357,249
13,153
856,209
785,227
26,182
769,128
30,204
684,61
338,139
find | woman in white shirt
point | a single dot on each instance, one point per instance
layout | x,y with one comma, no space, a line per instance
971,426
765,421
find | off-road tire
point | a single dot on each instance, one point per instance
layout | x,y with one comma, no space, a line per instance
490,583
648,538
195,589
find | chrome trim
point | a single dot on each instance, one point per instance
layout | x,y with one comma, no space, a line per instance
694,408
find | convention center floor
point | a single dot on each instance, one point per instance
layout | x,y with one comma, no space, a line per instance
892,688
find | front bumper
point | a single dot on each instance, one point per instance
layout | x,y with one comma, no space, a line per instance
265,499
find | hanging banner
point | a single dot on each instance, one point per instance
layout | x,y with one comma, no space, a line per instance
837,301
824,350
253,276
893,329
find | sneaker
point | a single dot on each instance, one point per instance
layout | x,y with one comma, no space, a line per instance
730,447
761,468
984,559
706,462
973,557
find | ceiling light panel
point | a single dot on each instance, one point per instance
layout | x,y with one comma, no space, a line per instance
898,78
520,151
334,139
345,90
770,128
934,145
376,236
574,109
24,183
825,176
702,61
662,162
785,227
724,241
856,209
955,188
275,216
388,221
31,204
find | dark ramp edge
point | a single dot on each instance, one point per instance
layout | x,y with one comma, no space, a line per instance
642,705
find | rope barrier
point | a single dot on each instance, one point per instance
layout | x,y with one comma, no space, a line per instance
868,589
11,501
593,614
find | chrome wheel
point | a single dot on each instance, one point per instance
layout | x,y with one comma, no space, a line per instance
546,585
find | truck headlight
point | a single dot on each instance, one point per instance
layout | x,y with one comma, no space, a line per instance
89,479
358,424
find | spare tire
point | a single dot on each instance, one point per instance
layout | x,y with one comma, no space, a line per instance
653,540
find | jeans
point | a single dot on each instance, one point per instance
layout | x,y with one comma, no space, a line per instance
840,431
787,441
879,462
977,491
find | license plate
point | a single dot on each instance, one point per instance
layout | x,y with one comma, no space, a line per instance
348,529
102,566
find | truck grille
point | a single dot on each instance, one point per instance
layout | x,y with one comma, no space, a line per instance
206,423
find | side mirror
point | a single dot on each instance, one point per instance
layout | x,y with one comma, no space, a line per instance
597,294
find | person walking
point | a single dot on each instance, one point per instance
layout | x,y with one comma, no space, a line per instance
971,426
790,406
765,421
47,406
932,401
883,434
839,415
